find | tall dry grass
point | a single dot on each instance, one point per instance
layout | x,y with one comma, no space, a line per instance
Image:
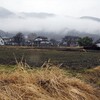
92,76
49,83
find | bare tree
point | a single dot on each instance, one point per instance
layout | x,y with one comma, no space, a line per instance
32,36
19,38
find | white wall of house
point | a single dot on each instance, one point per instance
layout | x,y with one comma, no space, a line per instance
98,44
1,41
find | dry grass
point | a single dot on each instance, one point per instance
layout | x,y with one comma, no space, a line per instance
49,83
97,68
92,75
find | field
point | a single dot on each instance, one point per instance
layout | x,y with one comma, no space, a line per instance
36,57
49,74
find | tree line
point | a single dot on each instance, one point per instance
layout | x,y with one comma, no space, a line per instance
19,38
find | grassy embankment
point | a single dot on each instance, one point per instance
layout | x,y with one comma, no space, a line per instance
49,82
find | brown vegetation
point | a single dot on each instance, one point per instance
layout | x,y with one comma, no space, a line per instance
49,83
92,76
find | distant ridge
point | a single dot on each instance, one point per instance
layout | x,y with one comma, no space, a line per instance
90,18
5,34
5,12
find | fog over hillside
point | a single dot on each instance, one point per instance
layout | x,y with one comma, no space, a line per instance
46,22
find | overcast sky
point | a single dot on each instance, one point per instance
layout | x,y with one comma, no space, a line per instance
68,13
74,8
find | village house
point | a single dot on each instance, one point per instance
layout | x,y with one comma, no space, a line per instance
1,41
41,41
97,43
8,41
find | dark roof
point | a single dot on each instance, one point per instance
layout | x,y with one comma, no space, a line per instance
98,41
42,37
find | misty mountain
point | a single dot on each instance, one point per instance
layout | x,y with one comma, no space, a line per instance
81,34
66,32
55,35
5,34
2,33
90,18
5,12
